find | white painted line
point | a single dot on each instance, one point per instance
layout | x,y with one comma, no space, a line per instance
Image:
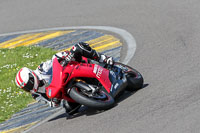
129,39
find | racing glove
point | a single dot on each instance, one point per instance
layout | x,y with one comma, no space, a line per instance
64,57
107,60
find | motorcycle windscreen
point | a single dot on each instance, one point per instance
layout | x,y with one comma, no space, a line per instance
55,81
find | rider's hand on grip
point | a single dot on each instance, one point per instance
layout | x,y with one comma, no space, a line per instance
109,61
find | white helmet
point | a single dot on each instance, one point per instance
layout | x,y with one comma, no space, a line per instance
27,79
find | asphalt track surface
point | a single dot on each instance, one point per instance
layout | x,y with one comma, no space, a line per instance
167,54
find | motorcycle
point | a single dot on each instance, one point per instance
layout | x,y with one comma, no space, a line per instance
92,84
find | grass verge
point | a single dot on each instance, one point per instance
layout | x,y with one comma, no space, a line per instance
12,98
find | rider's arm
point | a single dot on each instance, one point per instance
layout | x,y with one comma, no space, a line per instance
82,49
62,56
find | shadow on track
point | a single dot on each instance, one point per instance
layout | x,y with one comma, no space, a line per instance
90,111
82,111
127,94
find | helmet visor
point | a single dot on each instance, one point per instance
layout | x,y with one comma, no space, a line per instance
30,84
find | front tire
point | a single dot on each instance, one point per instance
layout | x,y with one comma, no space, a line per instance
76,94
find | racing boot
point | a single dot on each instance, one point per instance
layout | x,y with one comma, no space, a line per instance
70,108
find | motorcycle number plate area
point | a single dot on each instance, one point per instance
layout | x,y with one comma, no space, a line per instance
98,70
102,75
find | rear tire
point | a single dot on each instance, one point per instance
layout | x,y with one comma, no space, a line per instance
81,98
134,78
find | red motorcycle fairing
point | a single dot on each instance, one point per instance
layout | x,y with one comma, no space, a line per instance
62,75
56,80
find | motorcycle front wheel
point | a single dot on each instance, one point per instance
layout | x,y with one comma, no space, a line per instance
101,100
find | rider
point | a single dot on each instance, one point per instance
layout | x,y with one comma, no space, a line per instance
34,81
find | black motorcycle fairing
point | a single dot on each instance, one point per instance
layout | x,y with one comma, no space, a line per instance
118,80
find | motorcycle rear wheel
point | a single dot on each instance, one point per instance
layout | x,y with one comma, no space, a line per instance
80,97
134,78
